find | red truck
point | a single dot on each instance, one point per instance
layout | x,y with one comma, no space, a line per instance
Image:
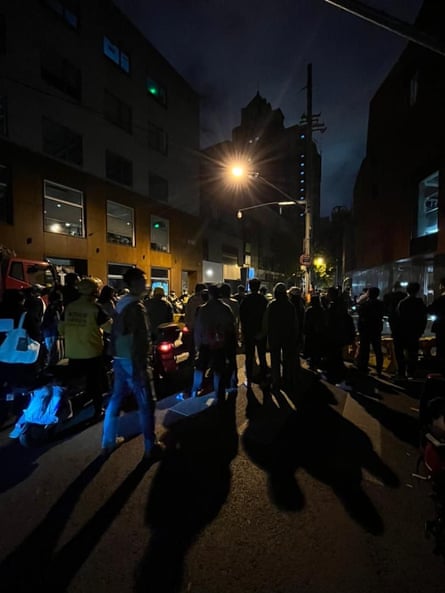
19,273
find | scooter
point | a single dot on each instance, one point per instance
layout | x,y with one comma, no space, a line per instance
171,357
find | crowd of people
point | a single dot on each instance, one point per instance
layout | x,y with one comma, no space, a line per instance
96,328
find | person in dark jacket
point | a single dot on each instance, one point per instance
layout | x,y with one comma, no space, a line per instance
412,318
437,308
282,331
314,331
252,310
215,339
340,332
370,326
159,311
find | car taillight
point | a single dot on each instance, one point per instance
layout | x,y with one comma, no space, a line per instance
165,347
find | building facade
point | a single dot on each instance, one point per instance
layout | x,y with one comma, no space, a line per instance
99,145
399,200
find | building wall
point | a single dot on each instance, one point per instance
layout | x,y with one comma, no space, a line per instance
32,28
29,240
406,144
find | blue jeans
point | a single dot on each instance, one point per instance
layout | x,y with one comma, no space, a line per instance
124,382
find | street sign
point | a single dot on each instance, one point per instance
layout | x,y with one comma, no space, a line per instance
305,260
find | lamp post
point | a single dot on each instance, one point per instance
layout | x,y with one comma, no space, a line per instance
239,171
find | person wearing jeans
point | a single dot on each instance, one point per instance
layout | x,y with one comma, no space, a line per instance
131,348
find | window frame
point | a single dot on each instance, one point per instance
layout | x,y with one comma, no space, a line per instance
66,150
114,237
157,138
155,196
109,154
120,54
120,106
163,245
67,224
423,196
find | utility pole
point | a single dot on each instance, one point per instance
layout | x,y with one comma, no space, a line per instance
311,123
307,241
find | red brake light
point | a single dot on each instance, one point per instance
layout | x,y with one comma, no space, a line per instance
165,347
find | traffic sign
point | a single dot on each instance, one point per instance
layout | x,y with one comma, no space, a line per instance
305,260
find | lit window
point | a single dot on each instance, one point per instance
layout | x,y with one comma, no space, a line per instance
428,205
159,277
116,55
157,91
63,210
120,224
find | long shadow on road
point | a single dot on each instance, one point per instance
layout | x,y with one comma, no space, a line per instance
315,437
187,493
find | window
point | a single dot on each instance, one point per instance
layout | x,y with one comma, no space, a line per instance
115,273
428,205
3,116
157,188
413,89
5,195
61,142
160,234
63,210
157,91
117,112
159,277
120,224
118,169
61,74
157,138
68,10
116,55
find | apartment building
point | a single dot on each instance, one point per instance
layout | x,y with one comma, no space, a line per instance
99,145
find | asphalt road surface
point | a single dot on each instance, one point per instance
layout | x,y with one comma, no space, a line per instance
309,494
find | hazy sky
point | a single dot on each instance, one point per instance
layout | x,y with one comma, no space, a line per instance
229,49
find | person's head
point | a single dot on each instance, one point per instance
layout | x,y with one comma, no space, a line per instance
225,290
374,292
89,287
315,300
158,292
214,292
397,286
135,280
107,293
413,288
241,289
199,287
72,279
294,291
279,290
254,285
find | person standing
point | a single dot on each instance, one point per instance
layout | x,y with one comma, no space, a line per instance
191,306
370,327
215,339
340,332
159,310
131,348
412,318
437,308
314,331
225,295
50,325
82,330
282,330
252,310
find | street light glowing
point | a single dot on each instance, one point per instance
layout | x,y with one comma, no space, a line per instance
238,171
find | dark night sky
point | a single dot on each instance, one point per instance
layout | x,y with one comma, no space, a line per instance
229,49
